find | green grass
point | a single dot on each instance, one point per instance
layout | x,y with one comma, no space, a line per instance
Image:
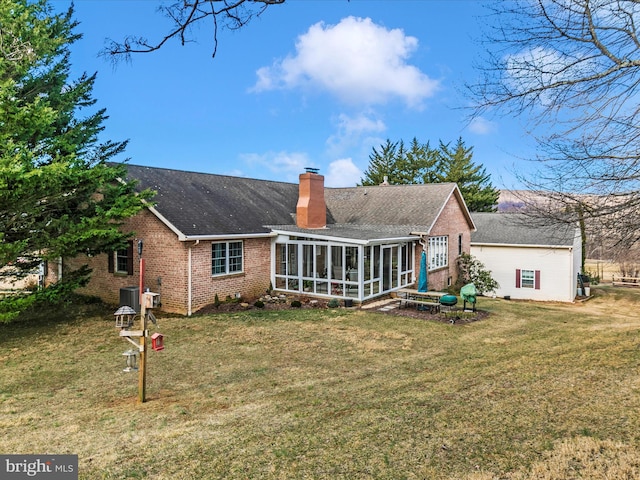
544,391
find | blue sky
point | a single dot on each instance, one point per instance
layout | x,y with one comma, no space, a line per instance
310,83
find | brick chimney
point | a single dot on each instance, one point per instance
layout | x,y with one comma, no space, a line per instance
311,211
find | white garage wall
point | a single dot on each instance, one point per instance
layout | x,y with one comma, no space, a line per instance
557,270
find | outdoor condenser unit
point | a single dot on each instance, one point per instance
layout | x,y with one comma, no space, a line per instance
130,296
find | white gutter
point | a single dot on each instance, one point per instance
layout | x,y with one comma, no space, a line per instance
227,236
521,245
344,240
189,279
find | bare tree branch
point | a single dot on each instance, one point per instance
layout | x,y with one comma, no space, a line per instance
572,68
185,14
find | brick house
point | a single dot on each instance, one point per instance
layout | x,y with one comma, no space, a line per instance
211,235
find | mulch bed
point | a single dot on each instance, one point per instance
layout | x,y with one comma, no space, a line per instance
458,317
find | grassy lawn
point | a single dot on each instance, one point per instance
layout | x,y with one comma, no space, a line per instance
534,391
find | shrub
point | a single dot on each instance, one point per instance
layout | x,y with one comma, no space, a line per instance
296,304
472,270
259,304
333,303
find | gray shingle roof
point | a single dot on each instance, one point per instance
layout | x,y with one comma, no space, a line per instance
202,204
518,229
388,205
206,204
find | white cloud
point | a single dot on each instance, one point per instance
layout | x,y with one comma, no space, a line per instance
481,126
286,166
356,60
351,130
342,173
359,124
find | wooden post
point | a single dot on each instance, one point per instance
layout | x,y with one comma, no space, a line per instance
142,371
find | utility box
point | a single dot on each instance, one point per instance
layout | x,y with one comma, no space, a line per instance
130,297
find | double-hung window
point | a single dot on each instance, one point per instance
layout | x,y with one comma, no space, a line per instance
438,252
528,279
226,258
120,261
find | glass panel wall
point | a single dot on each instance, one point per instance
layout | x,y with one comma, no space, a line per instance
342,270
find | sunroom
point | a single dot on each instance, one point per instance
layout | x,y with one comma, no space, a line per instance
343,261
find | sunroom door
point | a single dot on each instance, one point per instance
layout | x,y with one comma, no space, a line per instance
389,268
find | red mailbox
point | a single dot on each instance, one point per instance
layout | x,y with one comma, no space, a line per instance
157,342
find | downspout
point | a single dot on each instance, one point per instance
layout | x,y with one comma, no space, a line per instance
423,242
189,278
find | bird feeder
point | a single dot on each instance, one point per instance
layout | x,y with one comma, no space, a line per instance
151,300
131,357
124,317
157,342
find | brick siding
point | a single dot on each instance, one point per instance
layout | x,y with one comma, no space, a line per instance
166,269
451,223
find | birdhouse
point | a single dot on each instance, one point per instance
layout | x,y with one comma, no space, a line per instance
124,317
157,342
151,300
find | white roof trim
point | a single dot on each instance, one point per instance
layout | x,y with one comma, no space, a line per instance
234,236
330,238
166,222
465,210
519,245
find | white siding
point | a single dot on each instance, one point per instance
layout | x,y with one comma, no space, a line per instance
556,265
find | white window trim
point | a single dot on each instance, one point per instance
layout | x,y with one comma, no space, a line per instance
438,252
227,258
531,279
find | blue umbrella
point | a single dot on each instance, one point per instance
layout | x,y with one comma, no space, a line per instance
422,278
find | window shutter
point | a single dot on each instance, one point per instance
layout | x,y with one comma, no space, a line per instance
130,257
110,262
537,286
517,278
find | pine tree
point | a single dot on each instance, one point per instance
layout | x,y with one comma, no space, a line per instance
59,196
456,165
382,163
400,165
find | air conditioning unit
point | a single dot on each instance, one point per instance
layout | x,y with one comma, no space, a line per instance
130,297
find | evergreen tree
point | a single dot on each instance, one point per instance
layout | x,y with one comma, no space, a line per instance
59,196
382,163
456,165
401,166
418,164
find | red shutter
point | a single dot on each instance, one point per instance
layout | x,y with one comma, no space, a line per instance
130,257
537,285
517,278
110,262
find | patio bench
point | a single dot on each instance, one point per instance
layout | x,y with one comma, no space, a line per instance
434,307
